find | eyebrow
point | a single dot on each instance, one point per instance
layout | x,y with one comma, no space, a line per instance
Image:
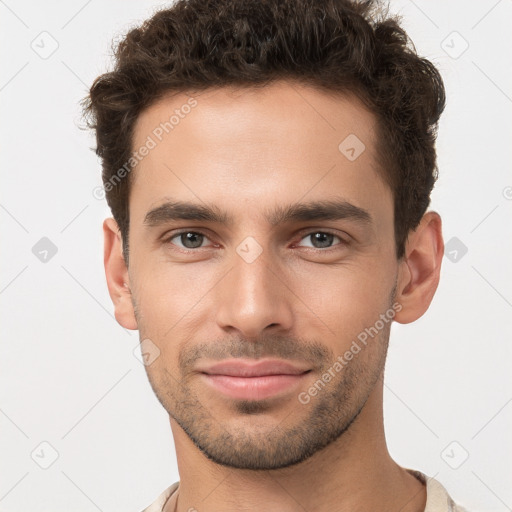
298,212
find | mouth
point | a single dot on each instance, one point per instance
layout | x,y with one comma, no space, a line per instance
243,380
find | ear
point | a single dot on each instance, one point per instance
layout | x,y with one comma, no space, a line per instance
419,270
118,280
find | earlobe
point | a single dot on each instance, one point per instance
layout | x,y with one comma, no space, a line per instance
420,269
116,273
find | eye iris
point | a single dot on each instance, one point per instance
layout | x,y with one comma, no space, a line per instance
195,239
324,239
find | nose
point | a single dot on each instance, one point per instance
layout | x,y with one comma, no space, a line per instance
253,298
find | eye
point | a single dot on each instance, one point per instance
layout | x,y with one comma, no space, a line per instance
322,239
190,240
187,239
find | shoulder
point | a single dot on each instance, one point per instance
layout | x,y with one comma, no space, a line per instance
438,499
158,504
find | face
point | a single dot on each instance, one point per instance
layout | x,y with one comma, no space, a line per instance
262,253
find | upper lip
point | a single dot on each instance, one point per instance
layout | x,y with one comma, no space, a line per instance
240,368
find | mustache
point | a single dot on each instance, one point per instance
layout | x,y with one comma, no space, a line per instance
282,347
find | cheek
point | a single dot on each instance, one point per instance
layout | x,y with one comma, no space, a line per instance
344,300
168,294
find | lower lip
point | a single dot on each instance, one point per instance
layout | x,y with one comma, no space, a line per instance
253,388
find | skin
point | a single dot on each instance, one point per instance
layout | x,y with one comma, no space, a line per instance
248,152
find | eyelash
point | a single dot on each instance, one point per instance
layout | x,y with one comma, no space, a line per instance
343,242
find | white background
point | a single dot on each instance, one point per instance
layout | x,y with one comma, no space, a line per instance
68,373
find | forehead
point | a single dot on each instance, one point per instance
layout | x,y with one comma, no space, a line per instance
258,113
252,148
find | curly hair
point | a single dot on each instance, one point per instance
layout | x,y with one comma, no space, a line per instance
333,45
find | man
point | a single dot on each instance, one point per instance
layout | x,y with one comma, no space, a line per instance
269,165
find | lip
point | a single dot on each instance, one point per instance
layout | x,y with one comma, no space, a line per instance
246,368
243,380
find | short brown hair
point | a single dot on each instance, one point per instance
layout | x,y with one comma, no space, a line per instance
334,45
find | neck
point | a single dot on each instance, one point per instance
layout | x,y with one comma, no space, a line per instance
354,473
